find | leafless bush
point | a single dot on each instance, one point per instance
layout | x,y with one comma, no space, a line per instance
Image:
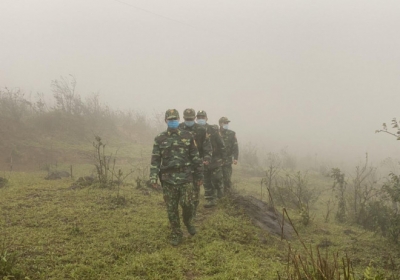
273,162
13,105
294,191
64,93
363,188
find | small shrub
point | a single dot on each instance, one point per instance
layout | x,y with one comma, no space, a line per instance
294,191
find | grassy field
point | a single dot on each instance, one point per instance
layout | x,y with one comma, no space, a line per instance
56,232
51,231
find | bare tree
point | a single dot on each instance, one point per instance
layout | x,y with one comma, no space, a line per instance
64,94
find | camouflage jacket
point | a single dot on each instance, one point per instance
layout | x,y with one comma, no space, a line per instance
202,141
231,145
218,146
175,158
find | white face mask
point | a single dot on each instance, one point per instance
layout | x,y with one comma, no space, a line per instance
225,126
201,121
189,123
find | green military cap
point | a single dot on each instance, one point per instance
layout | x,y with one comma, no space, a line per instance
202,113
189,113
224,120
171,114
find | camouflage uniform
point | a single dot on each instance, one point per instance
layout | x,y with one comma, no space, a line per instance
203,145
175,159
213,172
232,150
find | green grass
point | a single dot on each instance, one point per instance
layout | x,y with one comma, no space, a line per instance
60,233
55,232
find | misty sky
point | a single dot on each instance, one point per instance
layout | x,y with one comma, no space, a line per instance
313,76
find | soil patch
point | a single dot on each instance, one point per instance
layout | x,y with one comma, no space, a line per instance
263,215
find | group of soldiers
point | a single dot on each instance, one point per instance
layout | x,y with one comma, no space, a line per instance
188,155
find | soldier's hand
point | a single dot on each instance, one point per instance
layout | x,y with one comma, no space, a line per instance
235,161
154,185
205,162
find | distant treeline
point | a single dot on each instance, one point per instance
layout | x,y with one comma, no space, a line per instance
65,116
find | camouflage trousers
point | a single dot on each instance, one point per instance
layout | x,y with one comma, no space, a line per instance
227,174
196,198
212,183
173,196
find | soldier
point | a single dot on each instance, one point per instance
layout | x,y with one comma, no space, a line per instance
232,151
203,145
175,160
212,172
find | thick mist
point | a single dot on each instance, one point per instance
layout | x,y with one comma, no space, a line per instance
316,77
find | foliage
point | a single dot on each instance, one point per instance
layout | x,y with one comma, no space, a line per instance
369,274
392,188
71,118
382,214
106,173
102,163
8,263
364,189
315,265
308,267
89,236
66,98
339,187
395,125
82,233
13,105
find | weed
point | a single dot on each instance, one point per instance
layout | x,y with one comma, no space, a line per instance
8,263
339,185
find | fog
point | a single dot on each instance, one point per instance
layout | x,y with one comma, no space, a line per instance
317,77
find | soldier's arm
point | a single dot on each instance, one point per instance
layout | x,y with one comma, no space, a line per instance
207,147
235,148
155,162
221,144
196,161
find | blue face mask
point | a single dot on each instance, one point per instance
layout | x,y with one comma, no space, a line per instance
173,124
189,123
225,126
201,121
